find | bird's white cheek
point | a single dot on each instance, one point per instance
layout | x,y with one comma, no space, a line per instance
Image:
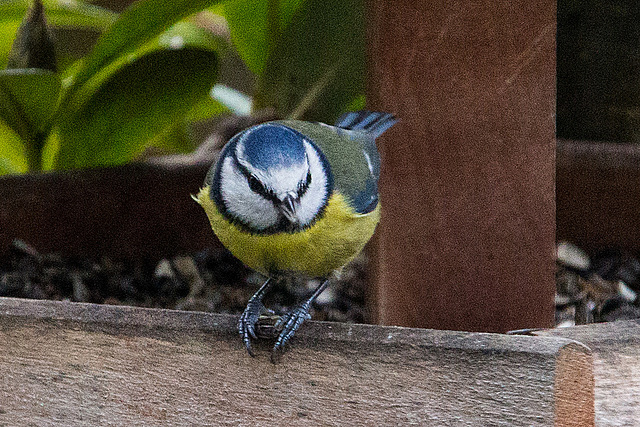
316,195
242,202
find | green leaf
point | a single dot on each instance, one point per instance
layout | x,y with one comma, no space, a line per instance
181,35
7,35
318,65
125,105
12,155
50,151
174,140
60,13
28,98
207,108
141,22
251,30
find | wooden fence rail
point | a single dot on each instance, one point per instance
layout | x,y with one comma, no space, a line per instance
616,353
72,364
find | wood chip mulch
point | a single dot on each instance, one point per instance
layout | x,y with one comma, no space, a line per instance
212,280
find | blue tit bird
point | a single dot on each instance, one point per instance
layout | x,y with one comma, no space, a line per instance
291,197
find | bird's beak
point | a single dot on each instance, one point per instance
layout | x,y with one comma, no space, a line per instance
288,205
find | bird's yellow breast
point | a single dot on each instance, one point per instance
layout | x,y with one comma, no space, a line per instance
331,242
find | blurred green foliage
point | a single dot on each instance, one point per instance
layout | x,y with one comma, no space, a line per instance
154,70
315,67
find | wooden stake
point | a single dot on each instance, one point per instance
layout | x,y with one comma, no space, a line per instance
466,240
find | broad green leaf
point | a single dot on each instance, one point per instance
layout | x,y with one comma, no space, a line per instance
28,98
59,13
139,96
7,35
12,155
207,108
317,67
136,26
50,151
174,140
251,30
181,35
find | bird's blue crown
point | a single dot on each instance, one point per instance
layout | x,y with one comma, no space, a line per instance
272,144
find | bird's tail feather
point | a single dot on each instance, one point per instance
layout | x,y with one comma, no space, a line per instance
371,122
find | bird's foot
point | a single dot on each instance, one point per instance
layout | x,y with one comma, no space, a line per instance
288,324
248,321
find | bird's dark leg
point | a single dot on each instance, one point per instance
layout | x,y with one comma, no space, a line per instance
249,318
291,321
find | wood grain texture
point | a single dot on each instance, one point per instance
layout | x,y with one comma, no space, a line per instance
81,364
140,210
574,373
616,354
137,210
467,231
596,181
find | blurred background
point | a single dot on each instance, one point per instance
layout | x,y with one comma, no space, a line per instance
597,66
155,84
162,86
598,63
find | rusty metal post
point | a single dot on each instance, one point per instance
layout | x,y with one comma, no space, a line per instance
467,236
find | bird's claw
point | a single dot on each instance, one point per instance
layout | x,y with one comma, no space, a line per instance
248,320
288,324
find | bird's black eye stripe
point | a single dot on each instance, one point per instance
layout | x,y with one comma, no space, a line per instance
255,185
304,185
258,187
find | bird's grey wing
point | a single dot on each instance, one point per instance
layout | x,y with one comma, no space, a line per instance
352,154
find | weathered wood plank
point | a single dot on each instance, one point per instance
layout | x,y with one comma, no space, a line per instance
136,210
82,364
596,180
616,354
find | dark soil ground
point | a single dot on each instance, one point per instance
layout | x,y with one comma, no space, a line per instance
600,288
212,280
